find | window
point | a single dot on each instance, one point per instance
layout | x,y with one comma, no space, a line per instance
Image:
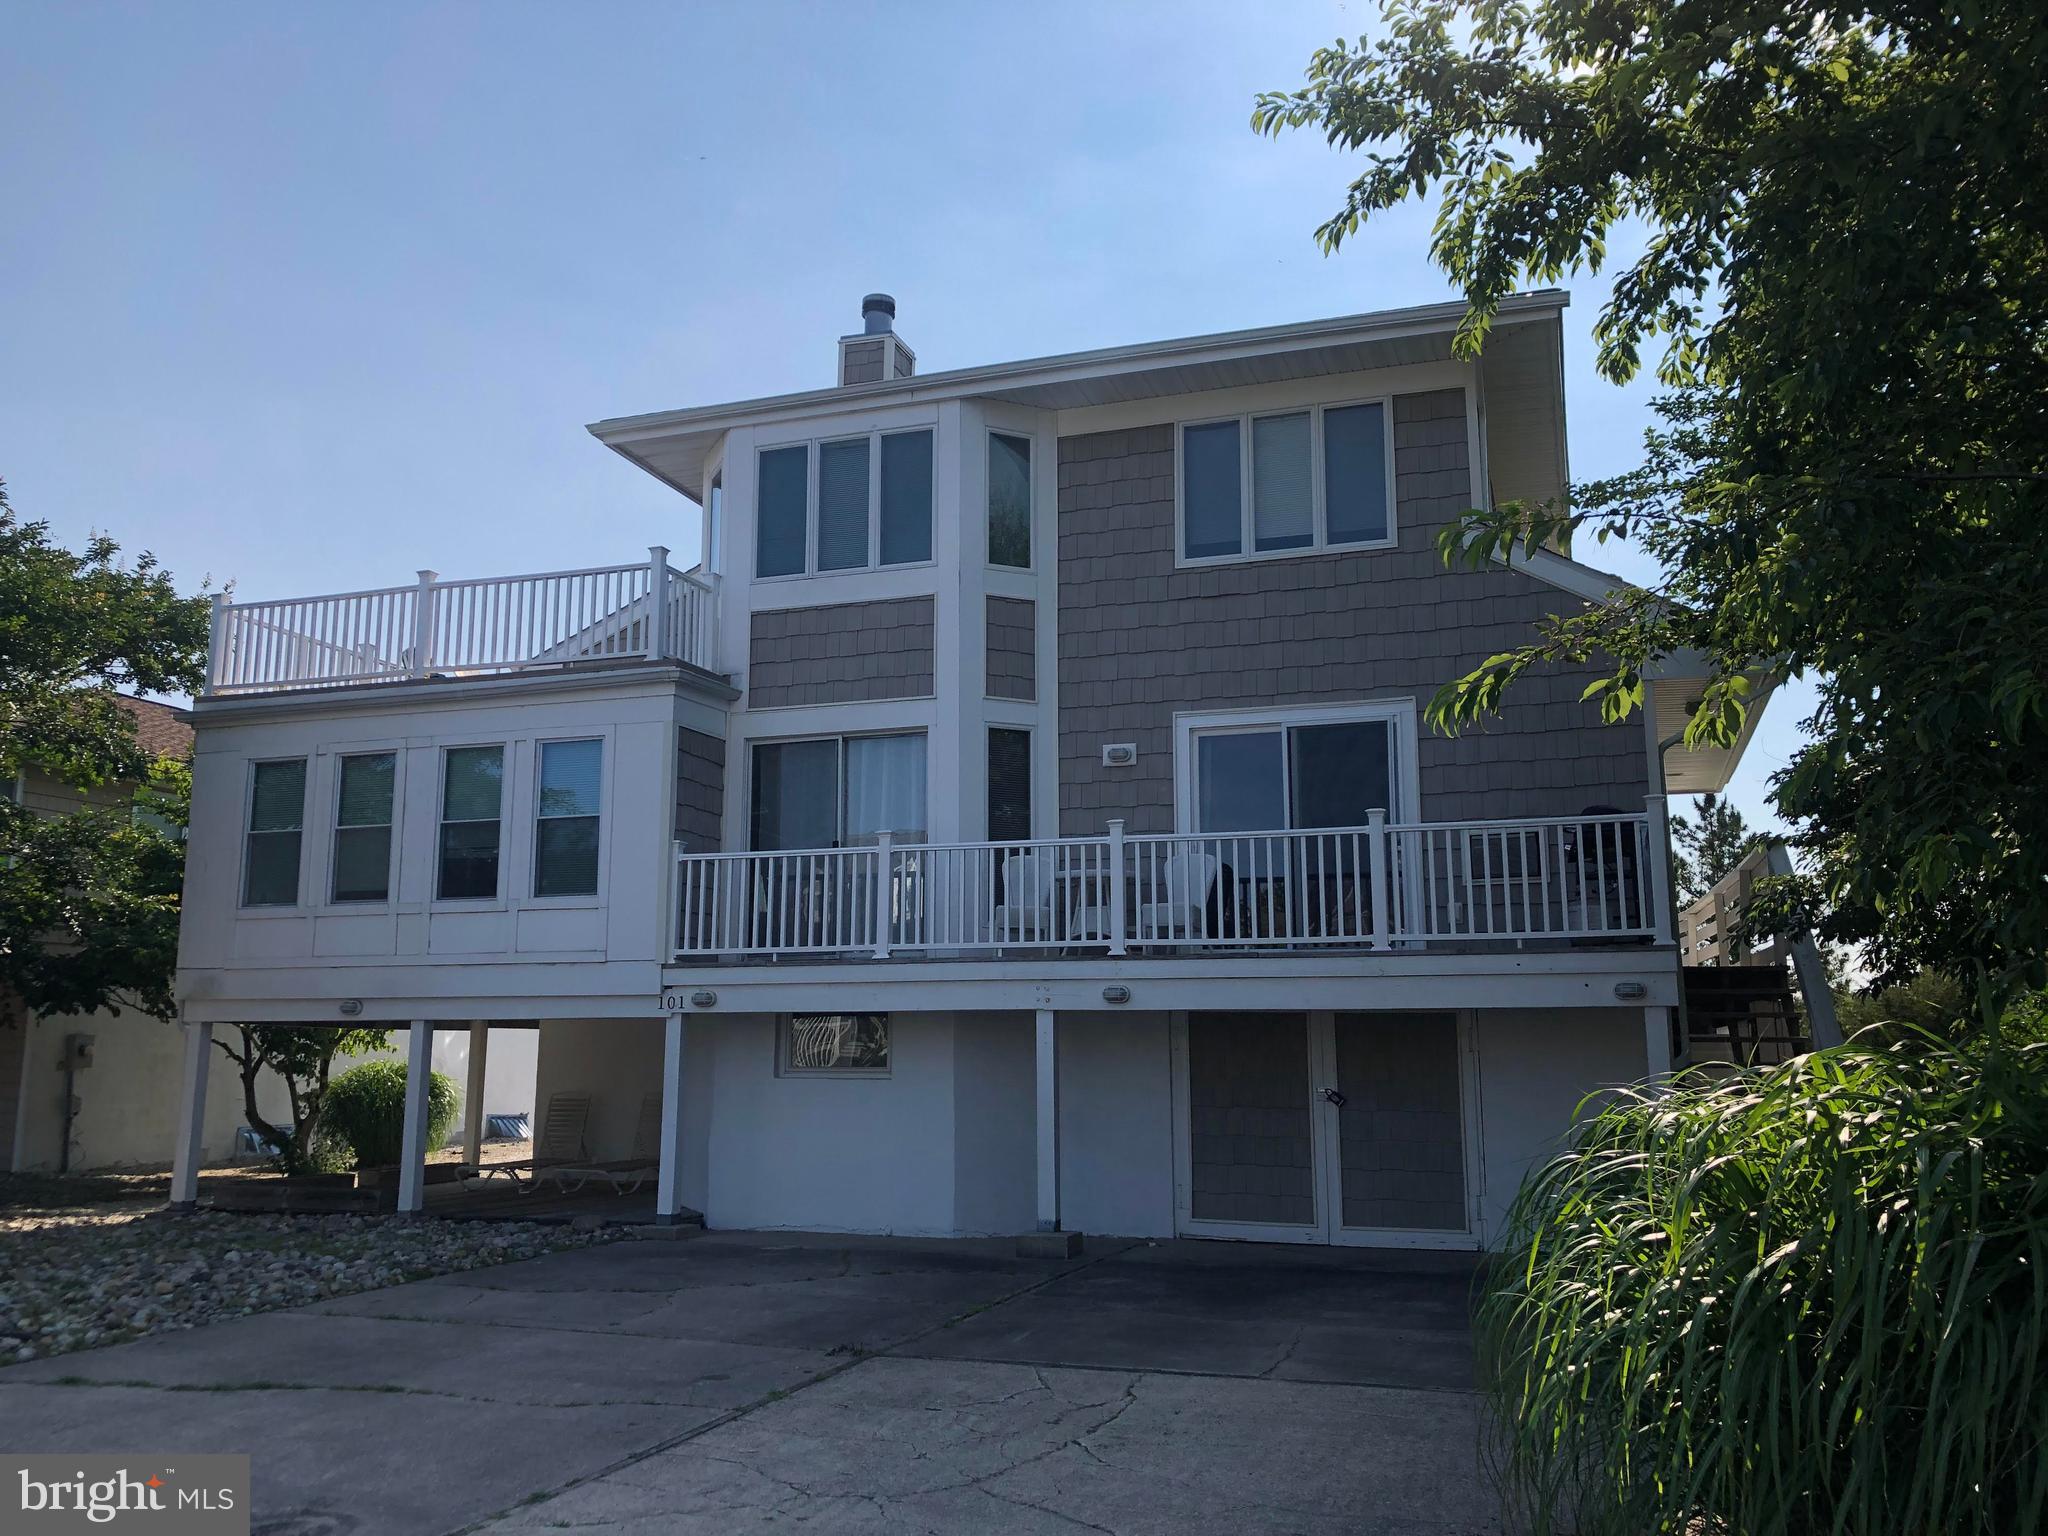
1274,776
838,791
472,801
1009,785
1009,500
565,819
889,471
1293,481
840,1044
362,827
277,819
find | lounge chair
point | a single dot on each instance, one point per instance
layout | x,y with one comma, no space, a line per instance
560,1141
625,1175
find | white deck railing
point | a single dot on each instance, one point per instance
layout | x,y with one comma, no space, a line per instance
464,628
1379,886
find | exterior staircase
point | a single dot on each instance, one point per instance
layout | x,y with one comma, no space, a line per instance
1742,1015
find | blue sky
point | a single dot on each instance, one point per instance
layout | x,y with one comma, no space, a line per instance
308,297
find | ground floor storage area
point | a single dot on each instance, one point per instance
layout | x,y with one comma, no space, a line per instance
1340,1126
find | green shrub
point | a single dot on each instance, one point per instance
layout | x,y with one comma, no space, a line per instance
1807,1299
365,1108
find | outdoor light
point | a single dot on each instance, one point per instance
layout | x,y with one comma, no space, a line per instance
1116,994
704,999
351,1006
1629,991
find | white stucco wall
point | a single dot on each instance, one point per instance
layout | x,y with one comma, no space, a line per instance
995,1117
1534,1068
1116,1124
128,1100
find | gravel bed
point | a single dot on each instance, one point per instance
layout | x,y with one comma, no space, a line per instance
80,1278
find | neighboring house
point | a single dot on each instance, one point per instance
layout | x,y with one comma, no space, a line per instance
89,1091
1019,814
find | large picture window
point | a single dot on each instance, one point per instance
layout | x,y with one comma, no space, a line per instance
1289,482
362,827
566,818
277,821
472,810
838,791
868,504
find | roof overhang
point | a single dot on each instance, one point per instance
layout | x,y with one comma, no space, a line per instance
674,445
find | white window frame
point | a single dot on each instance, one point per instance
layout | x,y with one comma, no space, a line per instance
501,896
1030,441
1399,714
1247,537
335,829
784,1033
298,900
813,458
533,897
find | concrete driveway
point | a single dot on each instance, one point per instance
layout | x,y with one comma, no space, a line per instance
761,1381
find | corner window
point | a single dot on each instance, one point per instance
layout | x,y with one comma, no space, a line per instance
472,805
870,504
277,820
835,1044
1009,500
1289,482
838,791
362,827
566,818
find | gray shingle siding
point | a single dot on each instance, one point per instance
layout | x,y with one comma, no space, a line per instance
1012,641
700,790
841,654
1140,639
861,363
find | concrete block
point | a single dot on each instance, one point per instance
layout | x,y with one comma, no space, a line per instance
1049,1245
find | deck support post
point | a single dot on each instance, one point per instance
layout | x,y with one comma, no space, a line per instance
1048,1120
1114,898
1657,1040
1376,869
423,625
191,1145
412,1163
1660,866
657,602
473,1094
668,1194
885,883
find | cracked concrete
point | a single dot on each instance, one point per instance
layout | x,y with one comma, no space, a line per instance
754,1380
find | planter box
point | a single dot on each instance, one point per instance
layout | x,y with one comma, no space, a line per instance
386,1179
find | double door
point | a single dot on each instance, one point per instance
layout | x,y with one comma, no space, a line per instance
1330,1127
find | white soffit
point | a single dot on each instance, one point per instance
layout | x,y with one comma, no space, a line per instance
673,445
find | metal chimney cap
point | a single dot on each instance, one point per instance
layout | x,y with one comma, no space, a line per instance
877,312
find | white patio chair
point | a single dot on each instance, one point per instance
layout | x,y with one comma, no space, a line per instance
1025,913
627,1174
1183,895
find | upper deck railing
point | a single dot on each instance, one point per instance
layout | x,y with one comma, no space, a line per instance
464,628
1588,878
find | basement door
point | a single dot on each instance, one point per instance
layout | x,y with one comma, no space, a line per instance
1355,1128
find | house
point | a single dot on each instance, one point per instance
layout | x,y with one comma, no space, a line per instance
81,1092
1014,813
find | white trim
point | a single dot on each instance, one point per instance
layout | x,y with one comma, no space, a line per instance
1400,713
1247,511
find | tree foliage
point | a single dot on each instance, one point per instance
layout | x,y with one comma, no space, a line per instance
1803,1301
366,1109
1844,265
1710,843
302,1057
89,900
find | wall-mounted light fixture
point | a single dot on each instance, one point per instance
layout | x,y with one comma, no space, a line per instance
1116,994
1630,991
705,998
1120,754
351,1007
